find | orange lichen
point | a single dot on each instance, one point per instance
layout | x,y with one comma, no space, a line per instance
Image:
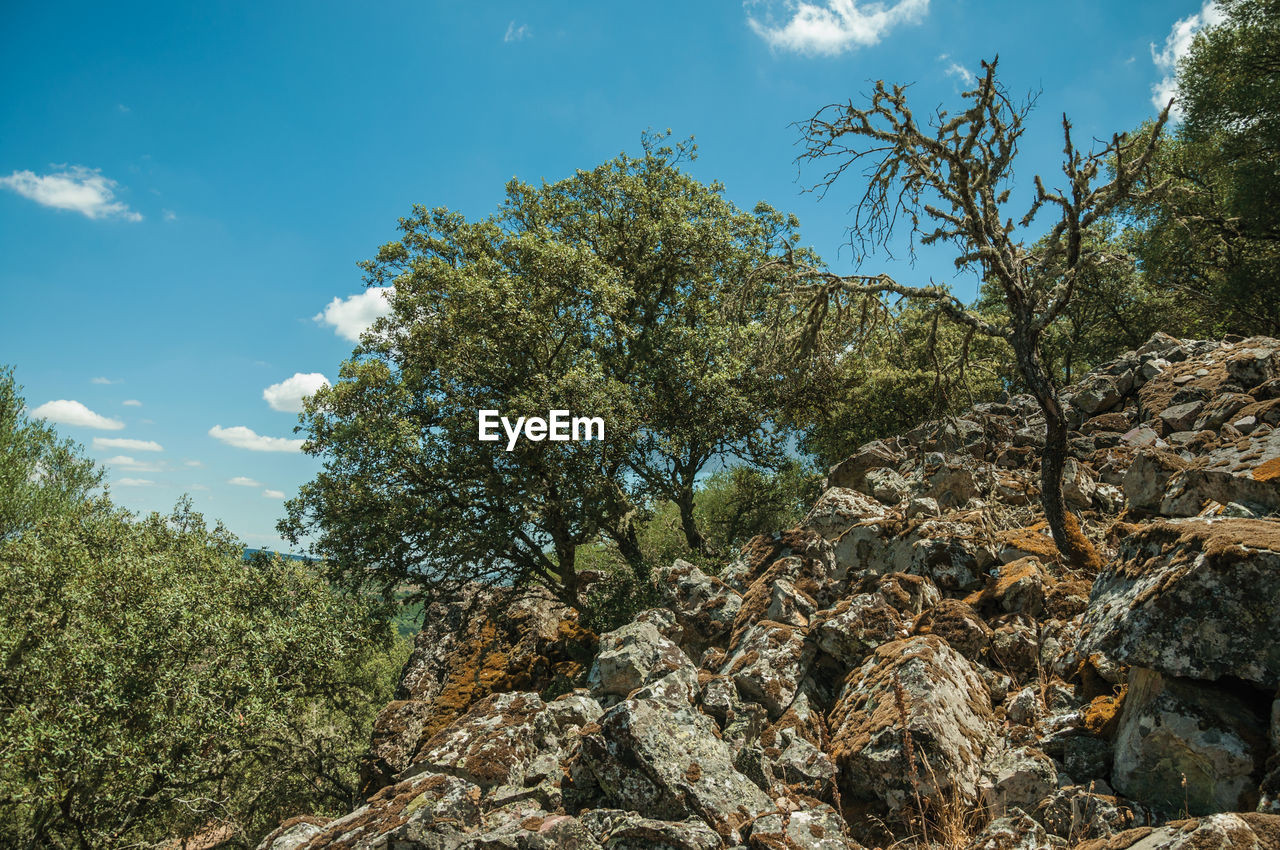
1268,471
1102,715
1087,557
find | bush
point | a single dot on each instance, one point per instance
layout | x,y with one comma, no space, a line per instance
158,685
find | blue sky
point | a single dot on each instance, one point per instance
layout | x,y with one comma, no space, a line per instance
185,188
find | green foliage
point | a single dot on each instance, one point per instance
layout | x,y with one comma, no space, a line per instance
885,378
616,293
40,475
158,685
1214,242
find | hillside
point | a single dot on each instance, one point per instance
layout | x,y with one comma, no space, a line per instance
911,664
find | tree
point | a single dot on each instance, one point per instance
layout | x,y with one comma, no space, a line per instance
158,684
1216,235
606,294
949,179
40,475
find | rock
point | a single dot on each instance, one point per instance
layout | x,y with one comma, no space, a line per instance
1252,366
293,833
616,829
1148,477
410,809
853,522
1018,587
1014,831
923,506
1180,417
855,627
1086,757
789,605
768,664
1187,746
670,765
1220,410
804,765
1097,394
811,827
1192,598
1023,707
1078,486
949,553
959,625
705,607
908,594
631,657
851,473
1017,778
1077,814
924,686
886,485
1230,831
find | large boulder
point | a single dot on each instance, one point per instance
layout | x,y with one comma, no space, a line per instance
1226,831
1193,598
670,765
704,606
1187,745
631,657
918,690
768,664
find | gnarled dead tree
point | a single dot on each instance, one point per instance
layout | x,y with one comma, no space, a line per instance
949,178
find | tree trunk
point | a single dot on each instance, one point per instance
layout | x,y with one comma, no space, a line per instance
629,547
692,537
1074,546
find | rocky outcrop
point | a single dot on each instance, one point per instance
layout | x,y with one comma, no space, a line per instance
912,663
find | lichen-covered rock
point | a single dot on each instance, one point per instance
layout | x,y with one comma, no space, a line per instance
293,833
1196,598
631,657
1228,831
669,765
1018,587
1014,831
430,809
1148,478
494,743
1016,778
921,686
809,827
617,829
1078,814
768,663
705,607
1187,745
855,627
959,625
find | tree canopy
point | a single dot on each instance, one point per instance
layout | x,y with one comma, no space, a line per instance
615,293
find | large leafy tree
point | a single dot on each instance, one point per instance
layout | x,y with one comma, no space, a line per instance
615,294
1216,236
41,475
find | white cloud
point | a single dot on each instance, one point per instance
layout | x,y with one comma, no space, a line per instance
66,412
515,33
126,444
103,381
1176,45
244,438
126,462
199,487
131,402
170,215
955,69
272,494
135,482
830,27
80,189
287,395
352,316
242,481
194,463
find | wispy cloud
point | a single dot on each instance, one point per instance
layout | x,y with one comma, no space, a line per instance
67,412
104,381
131,402
128,463
272,494
127,444
955,69
192,463
244,438
79,189
1176,45
515,33
830,27
353,315
288,394
135,482
170,215
242,481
